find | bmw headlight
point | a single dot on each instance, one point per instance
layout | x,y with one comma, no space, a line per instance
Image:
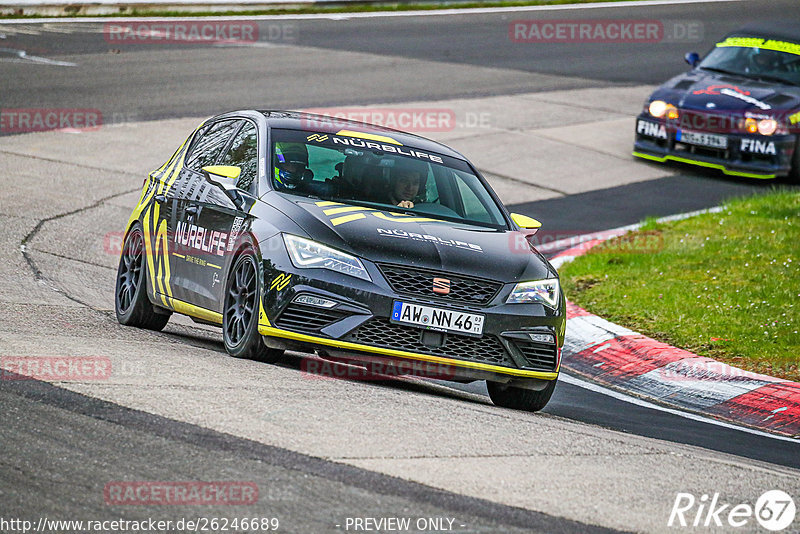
307,254
541,291
767,126
659,109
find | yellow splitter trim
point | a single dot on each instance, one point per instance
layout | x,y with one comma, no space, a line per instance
196,311
662,159
272,331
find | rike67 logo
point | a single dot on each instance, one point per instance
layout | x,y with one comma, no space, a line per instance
775,511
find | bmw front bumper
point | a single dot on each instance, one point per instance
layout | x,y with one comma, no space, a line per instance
750,156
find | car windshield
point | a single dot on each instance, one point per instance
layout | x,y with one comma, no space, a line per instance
754,57
379,172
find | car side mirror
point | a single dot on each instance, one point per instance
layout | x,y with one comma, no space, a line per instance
525,222
224,177
692,58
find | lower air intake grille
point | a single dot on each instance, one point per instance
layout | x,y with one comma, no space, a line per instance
302,318
379,332
540,356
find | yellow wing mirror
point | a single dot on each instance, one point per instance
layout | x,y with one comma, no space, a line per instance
224,177
226,171
525,222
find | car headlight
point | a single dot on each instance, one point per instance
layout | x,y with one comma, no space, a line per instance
541,291
767,126
659,109
307,254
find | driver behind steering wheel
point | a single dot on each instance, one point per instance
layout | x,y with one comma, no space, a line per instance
765,62
406,185
291,165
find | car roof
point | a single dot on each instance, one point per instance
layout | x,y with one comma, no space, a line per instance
296,120
776,29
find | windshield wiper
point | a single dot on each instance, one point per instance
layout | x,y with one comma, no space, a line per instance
763,77
773,78
723,71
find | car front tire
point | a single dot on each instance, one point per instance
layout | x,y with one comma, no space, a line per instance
518,398
131,304
240,313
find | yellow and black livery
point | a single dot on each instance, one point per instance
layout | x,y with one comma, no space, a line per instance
306,254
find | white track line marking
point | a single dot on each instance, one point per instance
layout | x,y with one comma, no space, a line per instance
385,14
570,379
20,56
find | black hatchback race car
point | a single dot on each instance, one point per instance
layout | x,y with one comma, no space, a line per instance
364,244
737,110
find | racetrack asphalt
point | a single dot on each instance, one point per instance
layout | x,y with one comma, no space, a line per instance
589,458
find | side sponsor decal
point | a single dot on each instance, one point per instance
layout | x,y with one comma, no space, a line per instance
402,234
765,44
732,91
199,238
280,282
757,146
236,227
345,213
263,320
157,247
651,129
372,142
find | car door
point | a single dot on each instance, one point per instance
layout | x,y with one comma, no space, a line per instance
223,220
197,248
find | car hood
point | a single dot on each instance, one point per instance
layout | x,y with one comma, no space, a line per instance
416,241
701,90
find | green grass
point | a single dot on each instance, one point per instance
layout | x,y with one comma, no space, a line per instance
724,285
295,9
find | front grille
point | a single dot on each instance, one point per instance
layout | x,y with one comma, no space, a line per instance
419,282
701,121
540,356
379,332
302,318
718,153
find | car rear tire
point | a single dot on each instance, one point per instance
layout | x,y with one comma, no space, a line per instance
519,398
130,296
240,313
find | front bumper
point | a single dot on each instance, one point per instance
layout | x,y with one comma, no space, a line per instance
749,156
358,328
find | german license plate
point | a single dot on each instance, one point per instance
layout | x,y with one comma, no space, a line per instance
437,318
703,139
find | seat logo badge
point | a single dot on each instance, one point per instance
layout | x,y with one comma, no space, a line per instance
317,137
441,286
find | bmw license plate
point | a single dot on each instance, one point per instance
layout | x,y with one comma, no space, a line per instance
437,318
703,139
